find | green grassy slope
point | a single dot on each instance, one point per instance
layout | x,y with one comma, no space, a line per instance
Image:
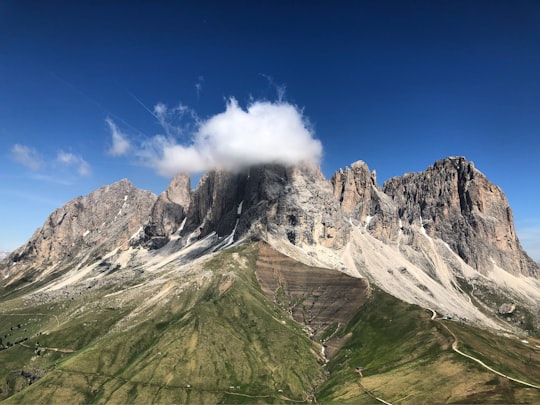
219,340
407,358
215,337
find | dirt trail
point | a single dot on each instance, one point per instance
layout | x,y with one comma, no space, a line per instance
368,392
455,348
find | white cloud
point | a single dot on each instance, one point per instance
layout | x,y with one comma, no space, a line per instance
27,156
177,121
69,159
120,143
265,132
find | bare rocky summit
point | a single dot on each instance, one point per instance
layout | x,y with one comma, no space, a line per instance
82,231
455,202
167,214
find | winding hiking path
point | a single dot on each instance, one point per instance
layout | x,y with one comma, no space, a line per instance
455,348
368,392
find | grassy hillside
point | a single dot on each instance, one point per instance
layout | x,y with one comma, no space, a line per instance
407,358
219,340
209,334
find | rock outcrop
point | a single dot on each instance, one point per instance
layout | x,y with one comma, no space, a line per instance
456,203
360,198
295,204
167,214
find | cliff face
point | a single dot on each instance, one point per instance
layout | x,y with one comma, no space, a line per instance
360,198
456,203
167,214
295,204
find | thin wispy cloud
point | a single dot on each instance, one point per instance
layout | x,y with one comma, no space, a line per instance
198,86
120,143
177,121
27,156
44,167
281,89
263,132
71,160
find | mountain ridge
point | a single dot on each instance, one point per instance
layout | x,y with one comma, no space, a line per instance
418,236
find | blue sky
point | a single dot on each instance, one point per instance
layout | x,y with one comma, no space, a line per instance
398,84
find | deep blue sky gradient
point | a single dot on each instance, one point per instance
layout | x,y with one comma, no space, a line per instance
398,84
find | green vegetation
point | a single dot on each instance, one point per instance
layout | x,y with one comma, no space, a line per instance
219,340
404,357
212,336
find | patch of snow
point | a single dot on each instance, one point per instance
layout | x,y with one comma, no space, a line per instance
182,226
368,220
136,234
423,230
228,241
239,209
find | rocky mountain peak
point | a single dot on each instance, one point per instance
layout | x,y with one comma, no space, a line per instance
179,190
353,187
85,228
167,214
453,201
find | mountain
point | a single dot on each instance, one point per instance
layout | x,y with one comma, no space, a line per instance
3,255
81,232
274,284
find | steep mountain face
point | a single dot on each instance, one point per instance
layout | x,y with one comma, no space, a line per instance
361,198
294,204
82,231
167,214
456,203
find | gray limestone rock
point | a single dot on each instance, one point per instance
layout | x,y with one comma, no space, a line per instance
167,214
360,198
85,228
455,202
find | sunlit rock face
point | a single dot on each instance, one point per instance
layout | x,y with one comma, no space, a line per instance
85,229
361,198
167,214
455,202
